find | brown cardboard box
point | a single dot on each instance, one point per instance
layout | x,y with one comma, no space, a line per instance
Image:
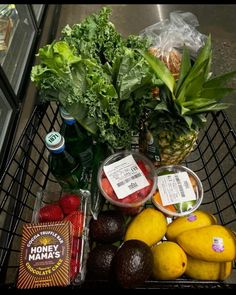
45,255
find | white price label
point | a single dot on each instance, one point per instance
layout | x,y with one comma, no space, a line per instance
125,177
175,188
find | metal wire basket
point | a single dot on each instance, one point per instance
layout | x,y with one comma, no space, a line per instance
27,172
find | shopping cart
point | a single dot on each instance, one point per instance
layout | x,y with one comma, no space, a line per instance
27,172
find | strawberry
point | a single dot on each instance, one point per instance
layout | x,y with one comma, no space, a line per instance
74,267
77,220
50,212
76,247
69,203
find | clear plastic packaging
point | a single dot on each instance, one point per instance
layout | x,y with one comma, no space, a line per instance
169,36
80,241
8,20
185,206
133,203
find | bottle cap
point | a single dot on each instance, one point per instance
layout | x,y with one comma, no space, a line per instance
55,142
65,115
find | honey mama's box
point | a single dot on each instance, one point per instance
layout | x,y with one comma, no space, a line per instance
45,255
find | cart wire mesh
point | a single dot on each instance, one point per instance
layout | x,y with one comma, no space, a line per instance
27,172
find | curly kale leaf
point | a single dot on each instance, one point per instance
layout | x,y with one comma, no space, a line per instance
98,76
95,37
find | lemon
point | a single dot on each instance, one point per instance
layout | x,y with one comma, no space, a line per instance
170,261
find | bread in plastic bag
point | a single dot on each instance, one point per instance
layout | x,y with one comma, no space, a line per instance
169,36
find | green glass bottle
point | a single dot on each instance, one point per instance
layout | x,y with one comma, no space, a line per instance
67,171
78,143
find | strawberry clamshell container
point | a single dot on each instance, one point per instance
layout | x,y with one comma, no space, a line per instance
67,205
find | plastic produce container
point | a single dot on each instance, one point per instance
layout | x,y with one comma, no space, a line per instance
27,171
134,181
180,188
80,237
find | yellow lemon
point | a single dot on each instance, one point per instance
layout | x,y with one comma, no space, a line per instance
170,261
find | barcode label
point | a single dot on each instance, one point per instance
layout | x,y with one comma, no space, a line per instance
128,179
175,188
186,184
125,177
180,187
133,185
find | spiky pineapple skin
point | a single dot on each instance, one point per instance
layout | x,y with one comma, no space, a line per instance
170,144
175,147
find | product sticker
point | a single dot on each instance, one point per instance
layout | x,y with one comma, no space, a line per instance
192,217
175,188
125,177
218,244
53,138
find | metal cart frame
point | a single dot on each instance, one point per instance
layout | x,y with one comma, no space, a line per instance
27,172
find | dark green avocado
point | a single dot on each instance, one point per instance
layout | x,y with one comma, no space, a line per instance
99,263
108,228
133,263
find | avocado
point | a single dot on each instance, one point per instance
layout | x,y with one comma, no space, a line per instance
108,228
99,263
133,263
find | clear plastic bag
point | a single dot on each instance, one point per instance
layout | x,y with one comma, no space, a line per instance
169,36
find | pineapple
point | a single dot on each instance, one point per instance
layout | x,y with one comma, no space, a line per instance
175,118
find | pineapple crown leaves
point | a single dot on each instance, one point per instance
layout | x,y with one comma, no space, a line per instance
194,93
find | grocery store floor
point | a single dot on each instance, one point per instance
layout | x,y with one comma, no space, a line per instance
217,20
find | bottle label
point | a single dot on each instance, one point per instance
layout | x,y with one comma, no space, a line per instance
54,141
53,138
152,148
148,145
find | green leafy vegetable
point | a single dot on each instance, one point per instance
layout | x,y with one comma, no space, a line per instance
98,76
193,95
